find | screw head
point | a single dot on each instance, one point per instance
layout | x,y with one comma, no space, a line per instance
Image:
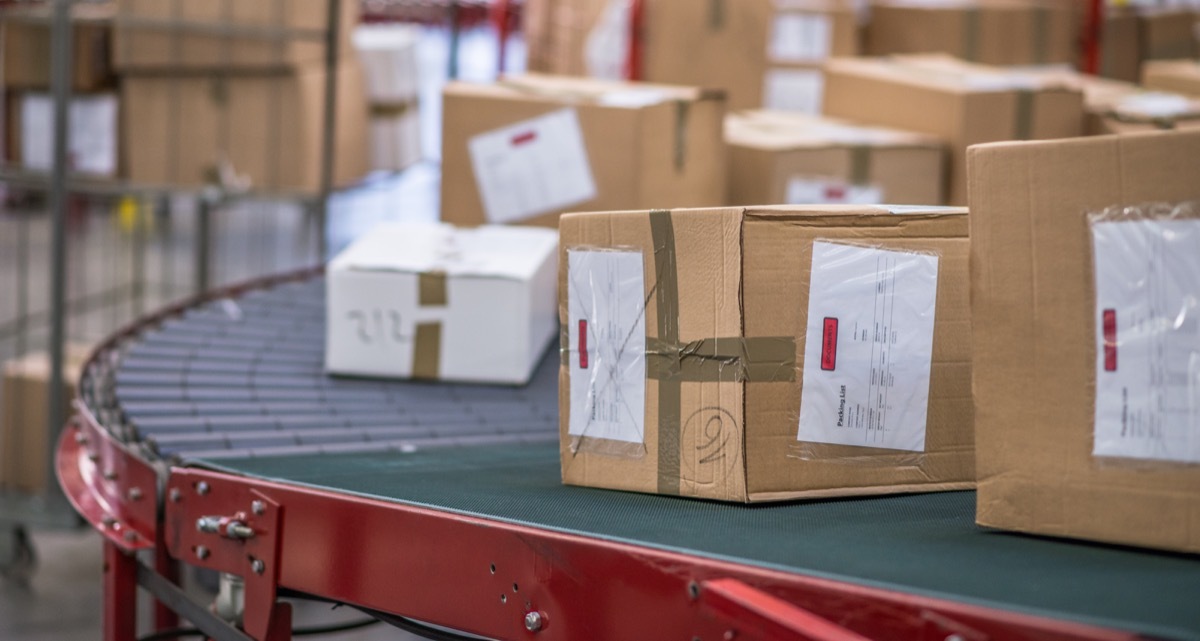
81,438
135,494
730,635
955,637
93,457
175,495
534,621
130,535
202,488
201,552
258,566
108,521
110,476
258,507
693,590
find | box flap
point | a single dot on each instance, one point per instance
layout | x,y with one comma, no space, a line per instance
781,130
493,251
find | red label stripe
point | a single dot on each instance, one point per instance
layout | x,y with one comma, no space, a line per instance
1110,340
522,138
583,355
829,344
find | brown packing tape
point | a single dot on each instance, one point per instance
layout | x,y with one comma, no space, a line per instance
860,165
1023,117
392,109
971,34
1041,26
431,289
681,116
672,363
716,15
427,349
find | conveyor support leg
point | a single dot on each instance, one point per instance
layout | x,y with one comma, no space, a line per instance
120,594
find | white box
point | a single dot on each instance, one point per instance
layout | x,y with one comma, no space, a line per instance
92,133
428,300
395,138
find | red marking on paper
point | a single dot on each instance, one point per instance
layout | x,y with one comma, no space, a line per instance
583,355
522,138
829,344
1110,340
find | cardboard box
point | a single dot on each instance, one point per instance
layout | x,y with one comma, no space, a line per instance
388,53
961,104
395,136
225,36
92,133
25,448
526,148
1115,107
725,353
989,32
1179,76
778,157
764,53
25,32
258,131
1120,44
426,300
1167,33
761,52
1038,345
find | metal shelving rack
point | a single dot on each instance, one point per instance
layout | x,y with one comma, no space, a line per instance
69,196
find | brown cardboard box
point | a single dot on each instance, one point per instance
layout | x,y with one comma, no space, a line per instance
1180,76
1115,107
529,147
25,32
1120,44
699,393
1131,36
959,103
1167,33
782,157
990,32
225,36
24,446
1033,307
261,131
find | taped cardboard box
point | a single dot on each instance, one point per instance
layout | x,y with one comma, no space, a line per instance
395,136
24,443
261,131
228,36
428,301
732,354
1131,36
1040,342
989,31
25,32
1179,76
778,157
959,103
528,147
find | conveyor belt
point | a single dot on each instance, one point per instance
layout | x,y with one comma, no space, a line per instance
238,386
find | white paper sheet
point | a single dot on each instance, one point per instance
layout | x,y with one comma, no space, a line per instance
802,190
793,90
868,347
800,37
532,167
606,325
1147,339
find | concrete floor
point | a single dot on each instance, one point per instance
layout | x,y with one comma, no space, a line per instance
123,264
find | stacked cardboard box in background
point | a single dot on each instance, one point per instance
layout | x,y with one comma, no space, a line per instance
960,103
730,353
389,57
24,442
222,97
526,148
784,157
1131,36
1116,107
995,32
1048,346
1180,76
28,109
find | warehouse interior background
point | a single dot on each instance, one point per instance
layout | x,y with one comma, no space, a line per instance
198,133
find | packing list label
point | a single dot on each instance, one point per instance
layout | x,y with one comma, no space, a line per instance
1147,339
533,167
868,347
800,37
814,191
606,323
793,90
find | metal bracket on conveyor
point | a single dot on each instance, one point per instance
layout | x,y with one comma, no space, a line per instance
229,527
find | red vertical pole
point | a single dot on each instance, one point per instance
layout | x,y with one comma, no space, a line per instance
165,618
633,60
1093,27
120,595
502,14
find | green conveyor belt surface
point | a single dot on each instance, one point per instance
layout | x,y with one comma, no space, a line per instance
925,543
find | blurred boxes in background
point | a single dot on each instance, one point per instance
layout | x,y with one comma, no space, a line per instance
26,47
1180,76
957,102
1116,107
24,445
260,131
992,32
526,148
92,132
225,36
389,58
1041,347
428,301
729,353
1132,35
781,157
762,52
